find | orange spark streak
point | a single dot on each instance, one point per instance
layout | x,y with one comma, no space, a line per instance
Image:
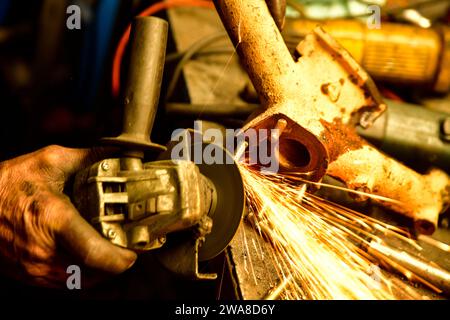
318,245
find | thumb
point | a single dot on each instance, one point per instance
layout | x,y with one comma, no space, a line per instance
85,243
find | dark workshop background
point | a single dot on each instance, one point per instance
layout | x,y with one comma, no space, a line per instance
55,82
55,88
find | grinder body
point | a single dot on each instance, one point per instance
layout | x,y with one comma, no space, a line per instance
175,204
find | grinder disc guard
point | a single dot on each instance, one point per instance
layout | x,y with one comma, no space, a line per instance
229,202
229,206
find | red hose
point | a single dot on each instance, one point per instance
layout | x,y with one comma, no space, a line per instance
120,50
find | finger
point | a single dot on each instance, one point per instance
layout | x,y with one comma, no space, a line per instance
60,274
85,243
71,160
53,274
50,274
278,10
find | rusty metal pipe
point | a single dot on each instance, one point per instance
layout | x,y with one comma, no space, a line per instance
321,96
283,86
261,40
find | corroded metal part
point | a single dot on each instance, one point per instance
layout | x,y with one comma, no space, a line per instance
322,95
397,53
343,90
362,167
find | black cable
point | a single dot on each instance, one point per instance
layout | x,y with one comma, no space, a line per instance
197,49
193,50
172,57
212,110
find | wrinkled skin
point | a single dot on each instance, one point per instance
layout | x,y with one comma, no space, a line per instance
41,232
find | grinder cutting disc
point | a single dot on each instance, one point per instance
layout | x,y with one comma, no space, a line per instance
230,203
229,196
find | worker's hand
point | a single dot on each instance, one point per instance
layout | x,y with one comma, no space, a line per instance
278,10
41,232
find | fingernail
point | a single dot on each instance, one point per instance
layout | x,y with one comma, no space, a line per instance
131,264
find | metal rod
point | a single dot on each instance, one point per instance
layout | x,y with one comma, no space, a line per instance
433,274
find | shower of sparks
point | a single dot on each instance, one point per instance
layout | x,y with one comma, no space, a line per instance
319,248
